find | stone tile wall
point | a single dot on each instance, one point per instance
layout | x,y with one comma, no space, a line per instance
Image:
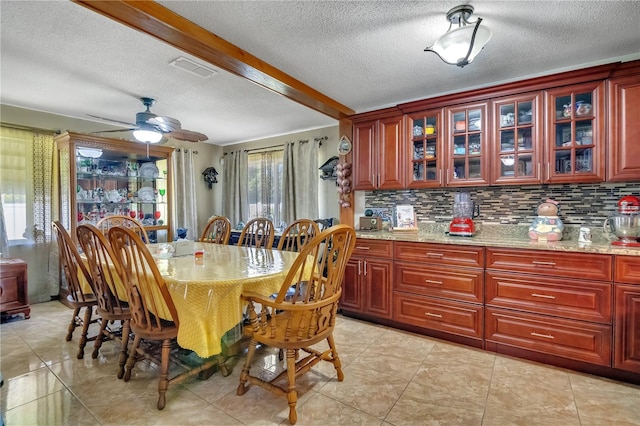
580,204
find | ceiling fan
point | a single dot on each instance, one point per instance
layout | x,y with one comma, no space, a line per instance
150,127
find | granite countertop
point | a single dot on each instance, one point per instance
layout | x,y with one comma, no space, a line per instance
504,236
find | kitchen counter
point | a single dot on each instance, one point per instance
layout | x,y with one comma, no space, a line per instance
504,236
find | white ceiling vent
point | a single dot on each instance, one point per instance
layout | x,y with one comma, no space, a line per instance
192,67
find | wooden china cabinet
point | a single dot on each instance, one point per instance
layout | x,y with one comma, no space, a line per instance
467,145
100,177
575,133
378,152
517,139
425,155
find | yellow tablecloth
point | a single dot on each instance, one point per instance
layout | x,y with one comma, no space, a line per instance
207,294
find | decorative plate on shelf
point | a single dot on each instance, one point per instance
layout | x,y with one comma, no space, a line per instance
148,170
344,145
146,193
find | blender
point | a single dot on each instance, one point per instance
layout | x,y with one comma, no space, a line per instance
464,210
626,223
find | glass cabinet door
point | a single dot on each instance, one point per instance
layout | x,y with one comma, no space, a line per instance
425,150
467,146
575,134
517,136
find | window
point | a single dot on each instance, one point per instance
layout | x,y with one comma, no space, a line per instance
265,185
16,160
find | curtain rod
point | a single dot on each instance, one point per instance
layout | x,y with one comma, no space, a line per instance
272,147
29,128
185,150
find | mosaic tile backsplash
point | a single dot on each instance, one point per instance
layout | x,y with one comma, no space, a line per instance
580,204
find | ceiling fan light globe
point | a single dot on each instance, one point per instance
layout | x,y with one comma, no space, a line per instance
148,136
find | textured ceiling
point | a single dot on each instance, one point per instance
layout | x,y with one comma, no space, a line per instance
58,57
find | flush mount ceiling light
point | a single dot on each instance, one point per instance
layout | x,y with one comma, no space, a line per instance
147,135
89,152
459,46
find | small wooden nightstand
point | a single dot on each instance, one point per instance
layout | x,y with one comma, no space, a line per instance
13,287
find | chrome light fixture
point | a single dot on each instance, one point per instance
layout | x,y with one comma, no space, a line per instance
459,46
148,135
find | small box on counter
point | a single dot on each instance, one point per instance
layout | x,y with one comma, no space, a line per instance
370,223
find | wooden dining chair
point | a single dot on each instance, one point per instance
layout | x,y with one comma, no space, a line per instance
298,234
295,324
109,222
148,295
258,232
217,231
105,272
79,297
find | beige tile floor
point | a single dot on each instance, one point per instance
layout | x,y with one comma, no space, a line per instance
391,378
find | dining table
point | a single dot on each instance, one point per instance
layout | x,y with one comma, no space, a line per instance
206,289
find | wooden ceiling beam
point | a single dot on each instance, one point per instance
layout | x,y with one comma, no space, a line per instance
161,23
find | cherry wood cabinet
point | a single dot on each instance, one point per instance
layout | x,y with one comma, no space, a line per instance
627,314
575,133
517,144
467,145
13,287
439,287
556,305
367,279
624,129
425,153
378,153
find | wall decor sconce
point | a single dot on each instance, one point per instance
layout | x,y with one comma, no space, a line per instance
459,46
210,176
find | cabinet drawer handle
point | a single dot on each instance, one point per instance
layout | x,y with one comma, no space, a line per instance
546,336
359,267
429,314
363,248
537,262
544,296
429,254
433,282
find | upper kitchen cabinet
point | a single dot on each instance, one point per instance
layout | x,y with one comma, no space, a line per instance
378,146
466,145
624,128
575,133
425,155
101,177
517,139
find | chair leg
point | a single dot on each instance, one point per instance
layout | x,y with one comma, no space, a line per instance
292,394
85,330
131,361
73,324
163,384
126,329
98,343
335,358
244,376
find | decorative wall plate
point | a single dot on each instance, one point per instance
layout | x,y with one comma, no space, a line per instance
344,145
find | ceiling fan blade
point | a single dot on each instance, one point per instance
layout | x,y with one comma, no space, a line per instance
111,120
188,135
115,131
165,124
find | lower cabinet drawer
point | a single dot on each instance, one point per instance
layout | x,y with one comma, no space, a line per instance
458,318
575,299
570,339
440,281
